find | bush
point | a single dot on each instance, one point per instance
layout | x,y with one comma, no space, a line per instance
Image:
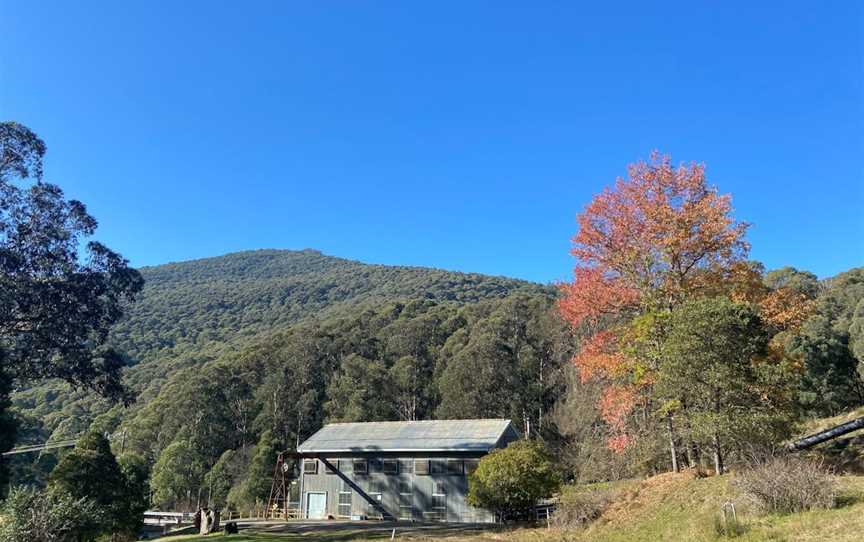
30,515
580,505
510,481
788,484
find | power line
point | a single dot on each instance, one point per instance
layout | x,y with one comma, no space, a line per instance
41,447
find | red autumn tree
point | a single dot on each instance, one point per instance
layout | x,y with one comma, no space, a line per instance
644,245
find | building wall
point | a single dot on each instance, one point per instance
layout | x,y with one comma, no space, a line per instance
407,495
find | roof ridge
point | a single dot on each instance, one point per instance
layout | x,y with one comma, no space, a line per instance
424,421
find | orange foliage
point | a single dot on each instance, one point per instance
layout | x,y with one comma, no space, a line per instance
616,403
786,309
618,443
658,226
592,295
652,239
599,357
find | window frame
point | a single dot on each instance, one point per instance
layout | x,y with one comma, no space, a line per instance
390,466
425,471
364,470
307,463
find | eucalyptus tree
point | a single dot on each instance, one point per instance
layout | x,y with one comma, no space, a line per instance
59,293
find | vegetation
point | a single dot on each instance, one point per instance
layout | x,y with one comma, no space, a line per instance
668,349
57,303
31,515
91,472
682,328
580,505
788,484
511,481
716,360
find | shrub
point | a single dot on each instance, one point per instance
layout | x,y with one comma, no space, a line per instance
788,484
30,515
580,505
510,481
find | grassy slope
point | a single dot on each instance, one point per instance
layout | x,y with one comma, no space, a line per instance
677,507
669,507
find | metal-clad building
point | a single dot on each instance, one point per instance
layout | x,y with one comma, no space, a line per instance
411,471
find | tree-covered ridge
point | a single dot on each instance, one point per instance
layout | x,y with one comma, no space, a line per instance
192,313
191,304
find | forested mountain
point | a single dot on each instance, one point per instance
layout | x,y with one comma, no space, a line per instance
192,312
191,304
236,356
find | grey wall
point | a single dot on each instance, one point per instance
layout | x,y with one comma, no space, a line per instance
426,503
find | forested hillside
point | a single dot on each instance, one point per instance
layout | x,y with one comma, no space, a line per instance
190,304
237,356
194,312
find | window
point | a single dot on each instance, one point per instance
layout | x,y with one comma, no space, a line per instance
421,466
344,507
390,466
439,501
406,466
438,466
375,486
361,466
406,500
471,465
375,490
375,465
333,462
310,466
454,466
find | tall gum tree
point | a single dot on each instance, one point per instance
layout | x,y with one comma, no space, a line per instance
59,295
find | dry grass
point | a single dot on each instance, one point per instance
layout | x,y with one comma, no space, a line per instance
788,484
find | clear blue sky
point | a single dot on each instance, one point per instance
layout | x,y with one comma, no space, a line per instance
461,135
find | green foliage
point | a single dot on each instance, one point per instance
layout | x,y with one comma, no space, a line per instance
194,313
258,481
507,363
226,474
360,391
56,303
830,344
136,491
830,384
32,515
716,361
8,426
90,471
177,476
65,301
510,481
802,282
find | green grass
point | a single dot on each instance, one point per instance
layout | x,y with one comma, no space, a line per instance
670,508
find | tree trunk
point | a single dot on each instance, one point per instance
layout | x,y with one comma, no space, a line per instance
672,448
718,456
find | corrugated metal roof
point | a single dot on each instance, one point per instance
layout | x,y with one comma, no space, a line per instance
420,436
